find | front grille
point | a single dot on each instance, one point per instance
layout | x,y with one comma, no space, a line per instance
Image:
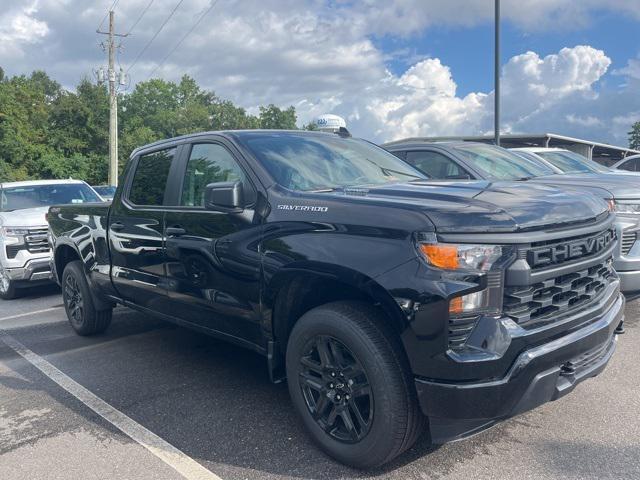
627,241
37,241
553,297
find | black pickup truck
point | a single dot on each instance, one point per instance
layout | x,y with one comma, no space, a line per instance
390,303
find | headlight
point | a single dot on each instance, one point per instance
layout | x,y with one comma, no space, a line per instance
13,235
451,256
623,208
475,259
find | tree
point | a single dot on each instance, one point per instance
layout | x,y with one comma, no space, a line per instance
634,136
273,117
47,131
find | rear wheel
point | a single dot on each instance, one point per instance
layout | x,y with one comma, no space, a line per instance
78,302
8,290
351,384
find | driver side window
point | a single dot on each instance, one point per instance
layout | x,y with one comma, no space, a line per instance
436,165
208,163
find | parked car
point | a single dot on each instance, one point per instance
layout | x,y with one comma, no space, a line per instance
446,160
105,191
629,164
389,301
24,250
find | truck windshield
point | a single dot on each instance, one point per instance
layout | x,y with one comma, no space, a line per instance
570,162
325,161
34,196
499,163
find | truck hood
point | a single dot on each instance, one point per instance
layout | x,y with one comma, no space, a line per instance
484,206
620,186
28,217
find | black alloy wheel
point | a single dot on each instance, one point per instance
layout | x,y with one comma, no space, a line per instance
74,301
336,389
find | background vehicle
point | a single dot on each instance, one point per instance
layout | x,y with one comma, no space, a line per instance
106,191
385,299
24,249
446,160
629,164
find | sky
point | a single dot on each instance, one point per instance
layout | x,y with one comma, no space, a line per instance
391,68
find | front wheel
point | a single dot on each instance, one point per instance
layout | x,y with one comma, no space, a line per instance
351,384
8,290
78,302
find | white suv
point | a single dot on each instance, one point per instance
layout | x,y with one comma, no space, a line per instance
24,246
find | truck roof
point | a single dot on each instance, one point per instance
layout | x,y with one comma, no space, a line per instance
227,133
33,183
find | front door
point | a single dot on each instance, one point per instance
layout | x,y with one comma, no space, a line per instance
136,229
212,260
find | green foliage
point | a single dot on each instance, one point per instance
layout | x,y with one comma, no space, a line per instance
272,117
49,132
634,136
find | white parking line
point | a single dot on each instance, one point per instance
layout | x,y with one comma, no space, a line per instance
11,317
176,459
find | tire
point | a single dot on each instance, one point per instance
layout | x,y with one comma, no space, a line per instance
385,417
84,318
8,290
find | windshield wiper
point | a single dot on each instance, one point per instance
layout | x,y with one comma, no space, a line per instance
322,190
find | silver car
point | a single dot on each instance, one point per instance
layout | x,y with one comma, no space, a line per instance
24,246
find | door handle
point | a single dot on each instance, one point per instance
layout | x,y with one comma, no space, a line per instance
175,231
116,227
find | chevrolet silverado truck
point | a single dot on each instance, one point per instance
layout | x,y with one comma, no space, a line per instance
24,249
390,303
564,169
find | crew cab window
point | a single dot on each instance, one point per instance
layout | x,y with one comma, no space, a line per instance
150,179
208,163
436,165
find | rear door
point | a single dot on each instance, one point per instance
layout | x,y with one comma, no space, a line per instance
136,230
212,259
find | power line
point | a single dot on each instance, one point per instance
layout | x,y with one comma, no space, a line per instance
140,17
177,45
113,5
154,35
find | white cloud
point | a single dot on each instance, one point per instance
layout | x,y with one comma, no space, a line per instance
320,57
632,69
20,27
403,17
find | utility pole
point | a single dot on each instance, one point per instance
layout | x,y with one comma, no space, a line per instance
496,115
113,100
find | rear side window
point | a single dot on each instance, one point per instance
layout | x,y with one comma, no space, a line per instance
209,163
150,180
436,165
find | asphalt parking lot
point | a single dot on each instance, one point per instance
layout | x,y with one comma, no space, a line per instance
208,409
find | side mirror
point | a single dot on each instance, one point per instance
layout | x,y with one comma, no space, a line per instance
224,197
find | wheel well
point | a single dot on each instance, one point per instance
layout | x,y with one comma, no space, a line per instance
64,255
305,292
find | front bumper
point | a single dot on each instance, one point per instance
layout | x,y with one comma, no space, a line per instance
539,375
35,270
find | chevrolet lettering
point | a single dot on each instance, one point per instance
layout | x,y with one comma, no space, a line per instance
541,256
